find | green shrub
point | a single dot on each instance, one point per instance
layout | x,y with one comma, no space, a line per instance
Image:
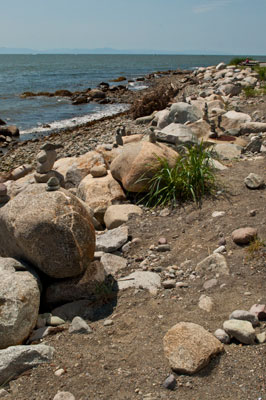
262,73
250,92
191,178
239,60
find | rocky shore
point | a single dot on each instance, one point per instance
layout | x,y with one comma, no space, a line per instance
113,300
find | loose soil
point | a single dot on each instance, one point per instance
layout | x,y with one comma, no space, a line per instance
126,360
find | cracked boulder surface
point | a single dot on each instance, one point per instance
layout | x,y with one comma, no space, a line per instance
50,230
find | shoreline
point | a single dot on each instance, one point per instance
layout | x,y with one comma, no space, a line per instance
22,152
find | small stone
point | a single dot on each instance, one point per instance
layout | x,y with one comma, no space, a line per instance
163,247
222,242
59,372
162,240
221,249
3,393
181,285
210,283
261,337
254,181
259,310
244,235
243,331
108,322
221,335
205,303
165,212
170,382
64,396
217,214
52,184
55,321
98,171
169,284
78,325
252,213
245,316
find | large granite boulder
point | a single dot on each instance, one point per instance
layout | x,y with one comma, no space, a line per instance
51,230
76,169
78,288
138,162
100,193
19,302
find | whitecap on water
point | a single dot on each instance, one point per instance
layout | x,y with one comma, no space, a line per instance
70,123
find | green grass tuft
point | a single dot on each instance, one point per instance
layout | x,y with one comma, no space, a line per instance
191,178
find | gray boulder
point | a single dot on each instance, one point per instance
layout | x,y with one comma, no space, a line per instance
183,112
176,134
112,240
16,359
51,230
19,303
254,181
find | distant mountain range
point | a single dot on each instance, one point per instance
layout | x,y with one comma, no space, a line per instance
106,50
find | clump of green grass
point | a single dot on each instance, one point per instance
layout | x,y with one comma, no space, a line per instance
105,291
254,247
191,178
262,72
251,92
239,60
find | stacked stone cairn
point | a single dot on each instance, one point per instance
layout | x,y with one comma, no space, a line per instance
45,161
3,194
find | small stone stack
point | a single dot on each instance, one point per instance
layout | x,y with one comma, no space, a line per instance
3,194
45,161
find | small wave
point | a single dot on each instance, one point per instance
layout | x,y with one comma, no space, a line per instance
137,86
45,129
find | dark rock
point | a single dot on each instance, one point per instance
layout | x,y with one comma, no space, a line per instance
170,382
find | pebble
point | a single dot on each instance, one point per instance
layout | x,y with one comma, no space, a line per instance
181,284
78,325
217,214
108,322
221,249
259,310
170,382
261,337
210,283
222,242
254,181
169,284
244,235
163,247
221,335
162,240
205,303
252,213
59,372
64,396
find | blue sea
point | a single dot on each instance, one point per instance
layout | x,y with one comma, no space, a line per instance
20,73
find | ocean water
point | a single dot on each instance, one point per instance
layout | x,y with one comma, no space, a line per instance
20,73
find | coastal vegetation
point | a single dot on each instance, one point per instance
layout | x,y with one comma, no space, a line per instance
191,178
156,100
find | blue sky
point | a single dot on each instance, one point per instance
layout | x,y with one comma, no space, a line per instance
224,26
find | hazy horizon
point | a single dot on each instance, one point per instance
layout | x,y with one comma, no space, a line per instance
221,27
